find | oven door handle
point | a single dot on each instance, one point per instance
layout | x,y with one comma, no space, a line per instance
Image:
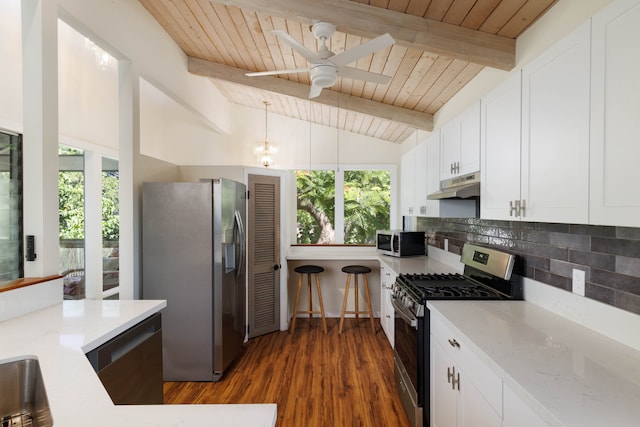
406,316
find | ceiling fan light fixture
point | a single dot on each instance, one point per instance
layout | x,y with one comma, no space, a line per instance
324,75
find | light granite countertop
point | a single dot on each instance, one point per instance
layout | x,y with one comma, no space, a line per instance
568,374
60,335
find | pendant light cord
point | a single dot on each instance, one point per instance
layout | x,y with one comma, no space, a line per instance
338,129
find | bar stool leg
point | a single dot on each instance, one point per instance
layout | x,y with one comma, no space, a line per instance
344,303
295,307
324,320
310,302
357,303
366,289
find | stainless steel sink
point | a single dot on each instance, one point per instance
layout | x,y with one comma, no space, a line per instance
23,398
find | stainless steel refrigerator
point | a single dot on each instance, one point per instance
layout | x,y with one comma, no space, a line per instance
193,255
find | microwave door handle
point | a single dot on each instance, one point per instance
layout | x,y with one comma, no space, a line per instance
410,319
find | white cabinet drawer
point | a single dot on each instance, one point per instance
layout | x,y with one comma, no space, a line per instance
483,378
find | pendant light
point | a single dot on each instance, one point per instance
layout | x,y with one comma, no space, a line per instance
265,151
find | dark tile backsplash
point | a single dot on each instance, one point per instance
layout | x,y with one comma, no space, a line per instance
548,253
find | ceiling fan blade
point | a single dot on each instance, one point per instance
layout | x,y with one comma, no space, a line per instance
367,48
276,72
295,45
354,73
315,91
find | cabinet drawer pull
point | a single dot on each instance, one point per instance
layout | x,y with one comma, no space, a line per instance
454,343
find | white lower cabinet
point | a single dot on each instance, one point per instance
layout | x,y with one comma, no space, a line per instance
517,413
387,278
464,391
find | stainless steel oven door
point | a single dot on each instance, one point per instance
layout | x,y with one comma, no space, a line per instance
406,361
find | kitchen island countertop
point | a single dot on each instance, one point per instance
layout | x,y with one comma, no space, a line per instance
60,335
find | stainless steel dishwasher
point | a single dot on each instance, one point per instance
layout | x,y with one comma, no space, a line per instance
130,365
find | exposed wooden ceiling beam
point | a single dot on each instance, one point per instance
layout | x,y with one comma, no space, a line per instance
408,30
214,70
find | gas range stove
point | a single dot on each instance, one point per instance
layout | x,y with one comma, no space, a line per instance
486,275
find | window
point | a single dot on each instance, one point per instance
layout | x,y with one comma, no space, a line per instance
73,187
342,207
11,264
71,220
110,228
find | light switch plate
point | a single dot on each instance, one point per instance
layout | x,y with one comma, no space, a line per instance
578,282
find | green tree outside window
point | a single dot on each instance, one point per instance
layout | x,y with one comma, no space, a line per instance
367,201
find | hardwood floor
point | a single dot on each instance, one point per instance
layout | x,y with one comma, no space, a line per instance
316,379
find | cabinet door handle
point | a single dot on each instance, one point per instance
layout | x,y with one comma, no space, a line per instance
450,374
455,382
454,343
452,167
523,207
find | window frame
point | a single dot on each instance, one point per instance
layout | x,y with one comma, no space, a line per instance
16,166
339,199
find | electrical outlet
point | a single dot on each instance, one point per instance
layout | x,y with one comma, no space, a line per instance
578,282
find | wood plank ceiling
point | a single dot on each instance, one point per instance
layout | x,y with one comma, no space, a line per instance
440,46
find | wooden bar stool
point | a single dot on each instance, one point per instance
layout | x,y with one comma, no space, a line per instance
355,270
308,270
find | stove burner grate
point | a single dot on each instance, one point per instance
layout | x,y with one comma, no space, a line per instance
445,286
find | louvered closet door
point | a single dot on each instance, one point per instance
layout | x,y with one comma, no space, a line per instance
264,254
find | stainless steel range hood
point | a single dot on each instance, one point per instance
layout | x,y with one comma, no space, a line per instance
461,187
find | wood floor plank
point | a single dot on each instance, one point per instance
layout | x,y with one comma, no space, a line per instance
316,379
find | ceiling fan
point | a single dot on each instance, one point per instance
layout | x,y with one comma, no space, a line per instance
324,66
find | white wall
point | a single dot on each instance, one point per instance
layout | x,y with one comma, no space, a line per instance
170,133
11,69
87,91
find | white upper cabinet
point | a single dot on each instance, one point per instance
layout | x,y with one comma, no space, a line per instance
413,177
555,132
615,115
420,195
535,138
500,149
433,172
460,144
407,184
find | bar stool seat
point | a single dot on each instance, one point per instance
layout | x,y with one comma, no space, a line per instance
308,270
356,270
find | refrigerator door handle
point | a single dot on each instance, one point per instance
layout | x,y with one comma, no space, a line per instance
241,236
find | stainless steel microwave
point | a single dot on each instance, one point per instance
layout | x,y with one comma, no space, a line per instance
400,243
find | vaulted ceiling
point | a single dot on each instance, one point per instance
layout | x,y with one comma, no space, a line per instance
440,46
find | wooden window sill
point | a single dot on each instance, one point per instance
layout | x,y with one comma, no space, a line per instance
27,281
